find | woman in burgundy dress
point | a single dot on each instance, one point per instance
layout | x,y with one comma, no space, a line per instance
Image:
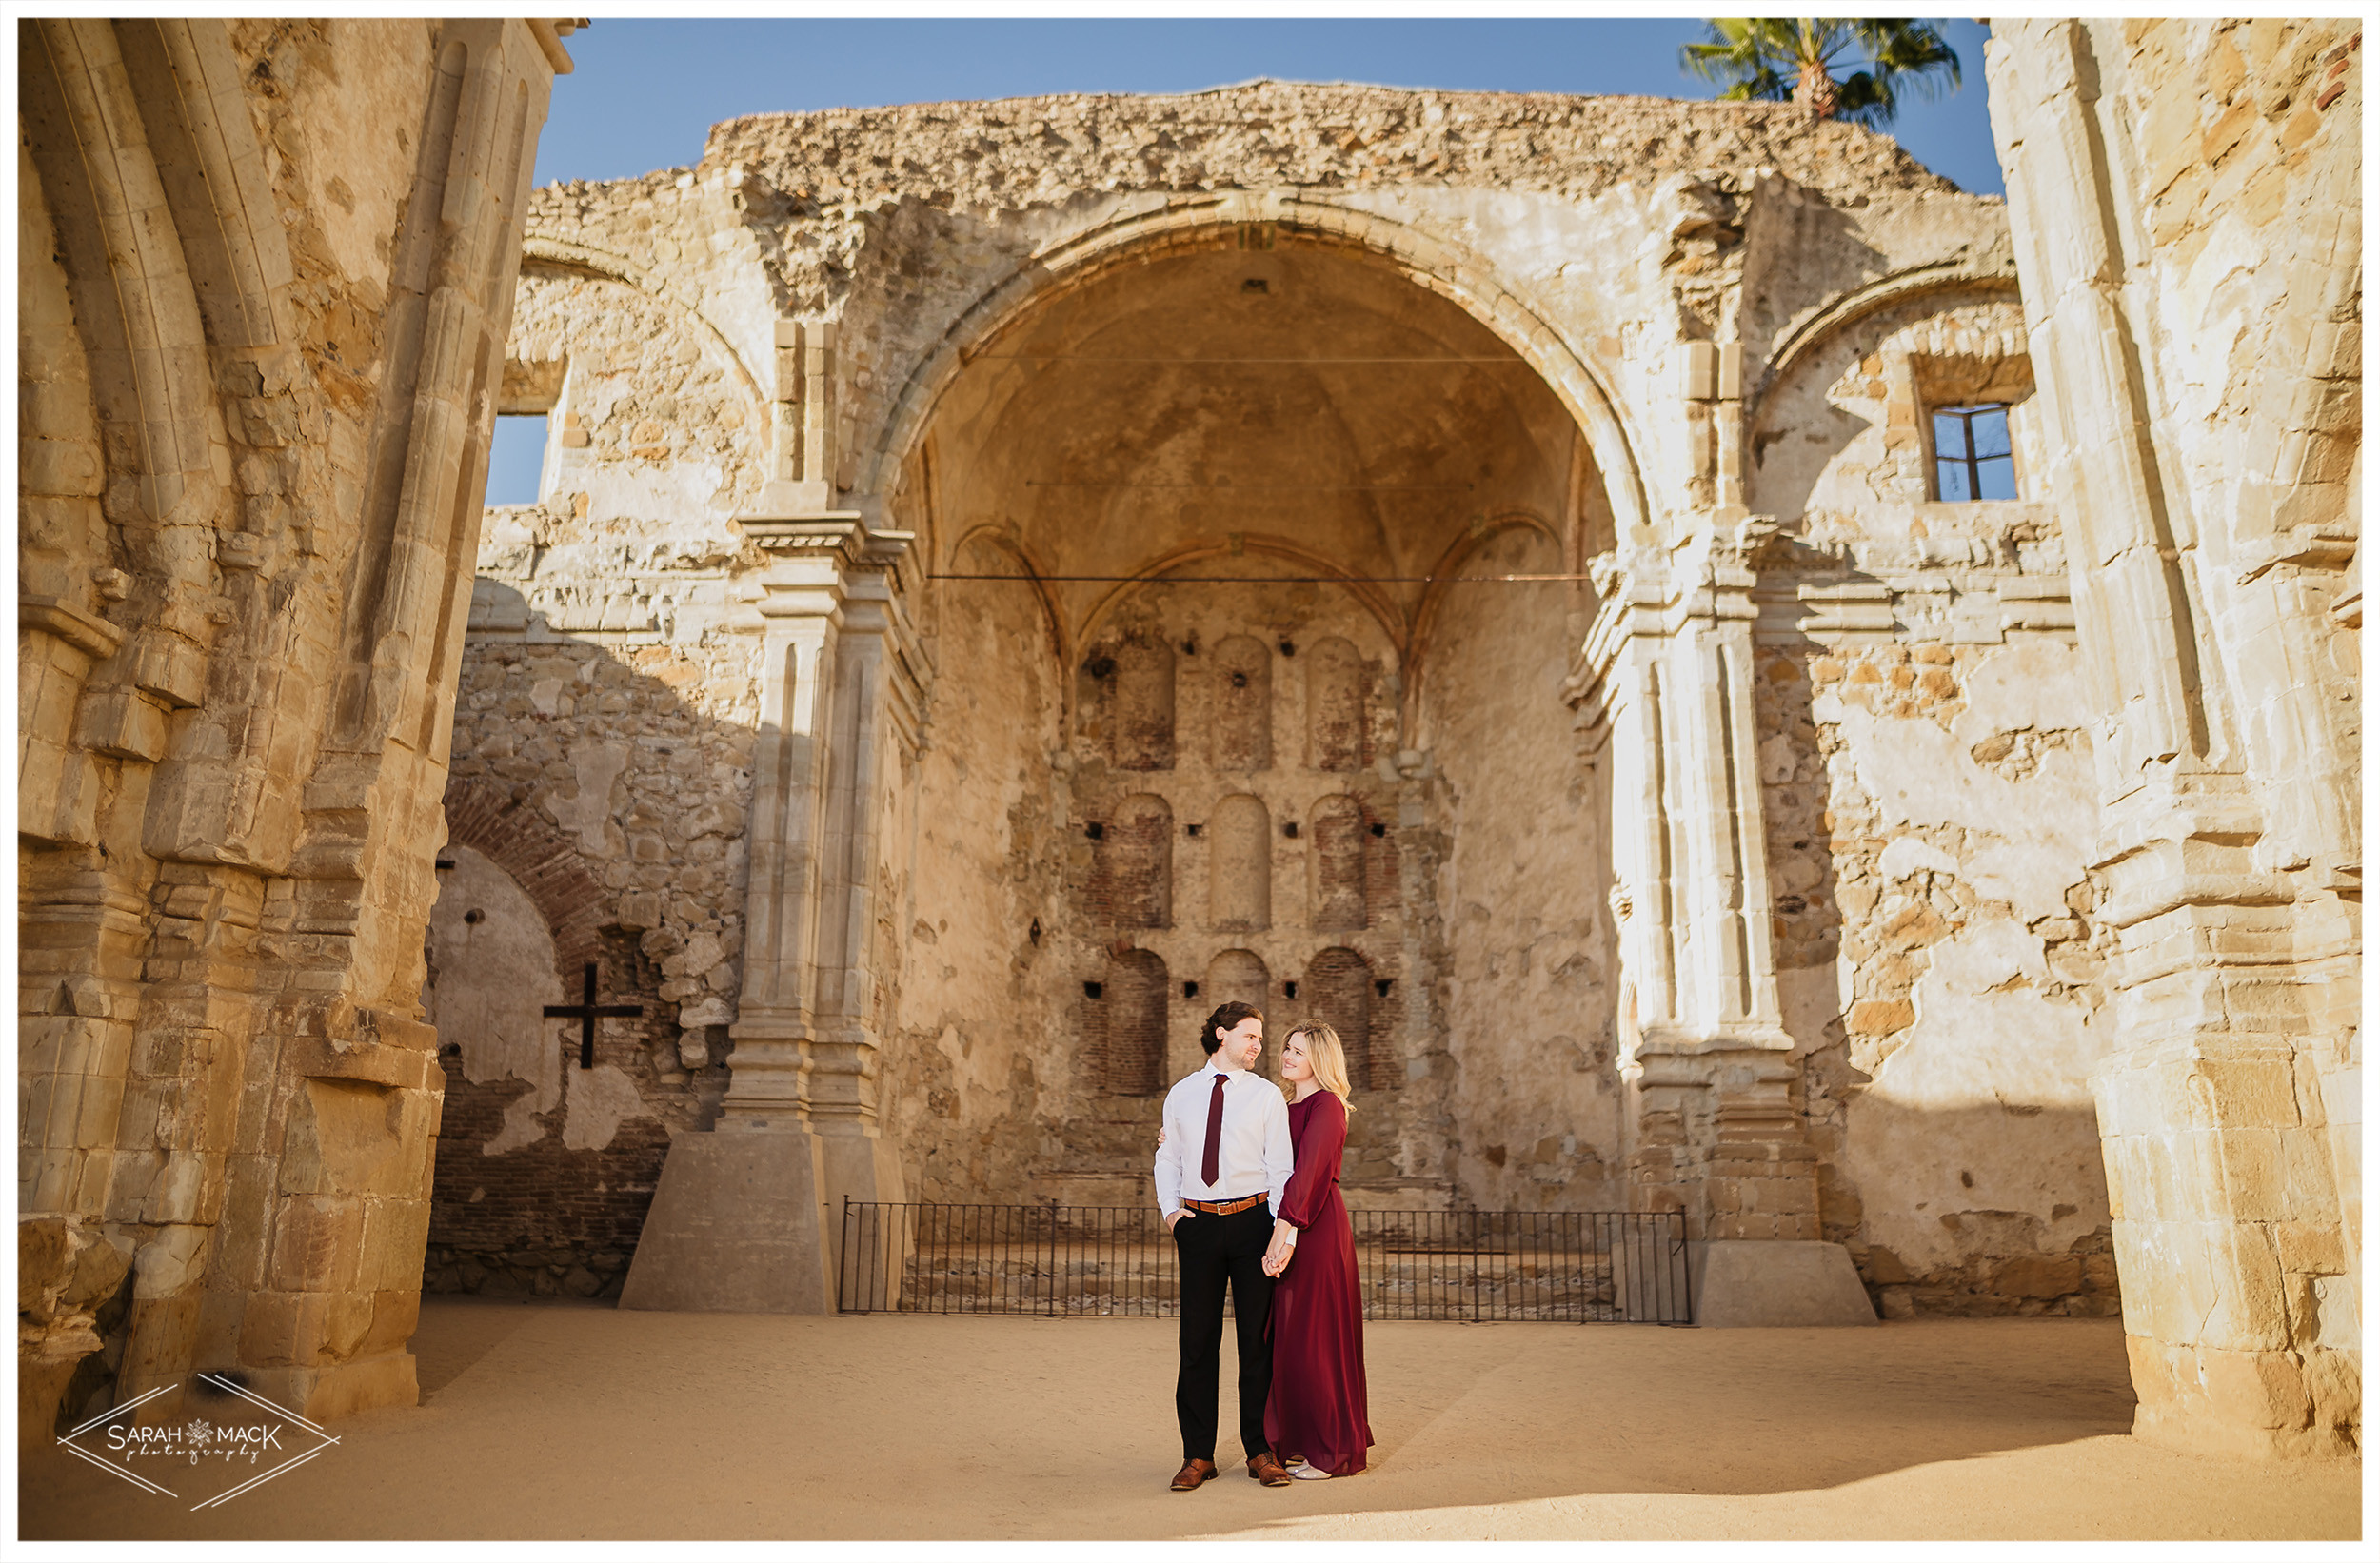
1318,1417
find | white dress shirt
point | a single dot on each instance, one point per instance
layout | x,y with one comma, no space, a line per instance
1256,1152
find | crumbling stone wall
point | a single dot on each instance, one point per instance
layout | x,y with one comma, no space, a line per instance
1955,864
632,766
832,256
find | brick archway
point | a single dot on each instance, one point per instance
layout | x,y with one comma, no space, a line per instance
540,859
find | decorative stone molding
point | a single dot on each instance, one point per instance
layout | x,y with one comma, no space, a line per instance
1665,679
2227,773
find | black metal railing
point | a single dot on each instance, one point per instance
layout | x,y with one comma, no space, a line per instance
1585,1267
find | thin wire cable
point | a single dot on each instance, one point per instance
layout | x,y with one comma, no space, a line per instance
1270,487
1102,358
1256,580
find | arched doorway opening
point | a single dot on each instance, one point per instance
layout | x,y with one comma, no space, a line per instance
1253,571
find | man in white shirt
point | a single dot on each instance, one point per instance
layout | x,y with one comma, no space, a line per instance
1222,1166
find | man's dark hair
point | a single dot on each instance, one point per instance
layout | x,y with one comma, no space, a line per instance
1223,1019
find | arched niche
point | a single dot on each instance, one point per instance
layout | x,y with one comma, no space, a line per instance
1127,1024
1232,977
1338,991
1130,242
1239,864
1142,716
1236,977
1135,875
1239,722
1336,853
491,973
1337,725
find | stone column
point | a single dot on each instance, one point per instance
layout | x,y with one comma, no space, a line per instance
748,1218
251,537
2196,569
1715,1131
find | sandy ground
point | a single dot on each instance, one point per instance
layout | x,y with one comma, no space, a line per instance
582,1421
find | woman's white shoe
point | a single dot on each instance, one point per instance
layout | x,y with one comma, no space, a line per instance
1309,1472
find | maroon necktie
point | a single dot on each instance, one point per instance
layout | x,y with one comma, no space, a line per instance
1212,1167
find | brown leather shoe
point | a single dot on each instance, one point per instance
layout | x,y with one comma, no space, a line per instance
1264,1467
1192,1474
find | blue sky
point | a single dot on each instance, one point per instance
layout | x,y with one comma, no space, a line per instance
645,92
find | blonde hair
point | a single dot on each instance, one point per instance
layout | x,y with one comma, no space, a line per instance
1328,1058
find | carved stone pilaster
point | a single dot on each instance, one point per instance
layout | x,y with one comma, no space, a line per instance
746,1218
1664,685
837,680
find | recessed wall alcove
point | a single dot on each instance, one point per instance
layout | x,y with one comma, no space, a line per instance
1225,691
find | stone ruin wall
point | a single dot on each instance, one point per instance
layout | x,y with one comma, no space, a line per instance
218,1014
2200,205
243,555
1894,927
1926,759
605,725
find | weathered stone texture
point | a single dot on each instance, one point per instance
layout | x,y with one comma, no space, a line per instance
1135,800
2185,197
266,273
1008,578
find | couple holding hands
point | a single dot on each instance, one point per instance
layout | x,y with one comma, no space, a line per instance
1248,1182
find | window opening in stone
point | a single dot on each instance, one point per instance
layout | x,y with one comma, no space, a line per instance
1288,649
516,461
1095,830
1290,830
1189,990
1289,990
1972,459
1091,990
1190,830
1381,987
1379,830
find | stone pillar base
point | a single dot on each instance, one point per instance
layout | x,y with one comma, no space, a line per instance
2249,1405
343,1389
747,1219
1741,1283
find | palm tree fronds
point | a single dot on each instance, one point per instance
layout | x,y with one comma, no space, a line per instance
1776,59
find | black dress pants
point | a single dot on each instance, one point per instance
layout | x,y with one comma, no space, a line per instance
1215,1250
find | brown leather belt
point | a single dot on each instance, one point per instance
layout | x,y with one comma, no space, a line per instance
1233,1207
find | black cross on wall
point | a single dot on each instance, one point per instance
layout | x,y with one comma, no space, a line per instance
586,1014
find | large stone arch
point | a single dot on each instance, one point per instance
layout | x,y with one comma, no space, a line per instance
565,255
1240,217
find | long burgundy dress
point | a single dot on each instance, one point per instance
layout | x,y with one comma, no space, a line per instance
1319,1407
